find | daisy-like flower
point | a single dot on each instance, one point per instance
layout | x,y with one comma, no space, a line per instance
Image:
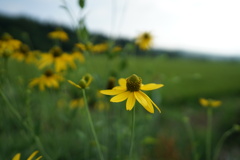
58,58
144,41
130,89
48,79
58,34
18,156
8,45
209,102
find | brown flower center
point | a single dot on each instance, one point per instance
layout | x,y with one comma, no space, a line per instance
56,51
48,73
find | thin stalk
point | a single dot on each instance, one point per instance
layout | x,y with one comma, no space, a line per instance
26,125
221,141
191,137
132,133
209,133
91,125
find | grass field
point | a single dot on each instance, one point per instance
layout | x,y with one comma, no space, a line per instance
43,120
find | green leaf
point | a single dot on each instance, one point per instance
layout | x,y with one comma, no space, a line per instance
82,3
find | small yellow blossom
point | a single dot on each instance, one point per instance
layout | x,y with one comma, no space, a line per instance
209,102
24,54
48,79
8,45
130,89
58,34
79,102
58,58
18,156
83,83
98,48
81,46
144,41
101,105
116,49
76,55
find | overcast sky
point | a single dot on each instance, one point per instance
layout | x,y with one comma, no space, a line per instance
197,25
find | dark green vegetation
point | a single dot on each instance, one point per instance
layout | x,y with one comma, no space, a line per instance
65,132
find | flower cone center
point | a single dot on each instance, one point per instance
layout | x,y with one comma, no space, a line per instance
134,83
48,73
56,52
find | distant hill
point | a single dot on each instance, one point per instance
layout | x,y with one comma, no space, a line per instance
34,33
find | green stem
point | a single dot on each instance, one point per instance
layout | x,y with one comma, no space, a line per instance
91,125
209,133
191,137
132,133
26,125
221,141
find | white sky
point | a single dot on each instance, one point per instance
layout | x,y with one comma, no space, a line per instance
196,25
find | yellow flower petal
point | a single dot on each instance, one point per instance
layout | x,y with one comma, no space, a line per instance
120,97
215,103
122,82
111,92
17,156
120,88
74,84
143,101
203,102
39,157
150,101
130,101
151,86
32,155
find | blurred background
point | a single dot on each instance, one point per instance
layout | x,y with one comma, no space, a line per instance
190,46
205,27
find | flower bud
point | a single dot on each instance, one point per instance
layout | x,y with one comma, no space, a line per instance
82,83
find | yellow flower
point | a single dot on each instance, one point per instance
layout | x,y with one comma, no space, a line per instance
48,79
101,105
24,54
130,89
116,49
80,46
144,41
98,48
58,58
209,102
78,56
58,34
8,45
18,155
77,103
83,83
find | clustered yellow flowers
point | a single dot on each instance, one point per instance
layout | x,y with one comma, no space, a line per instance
18,156
144,41
130,89
48,79
209,102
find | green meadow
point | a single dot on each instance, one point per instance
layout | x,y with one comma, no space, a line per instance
31,119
